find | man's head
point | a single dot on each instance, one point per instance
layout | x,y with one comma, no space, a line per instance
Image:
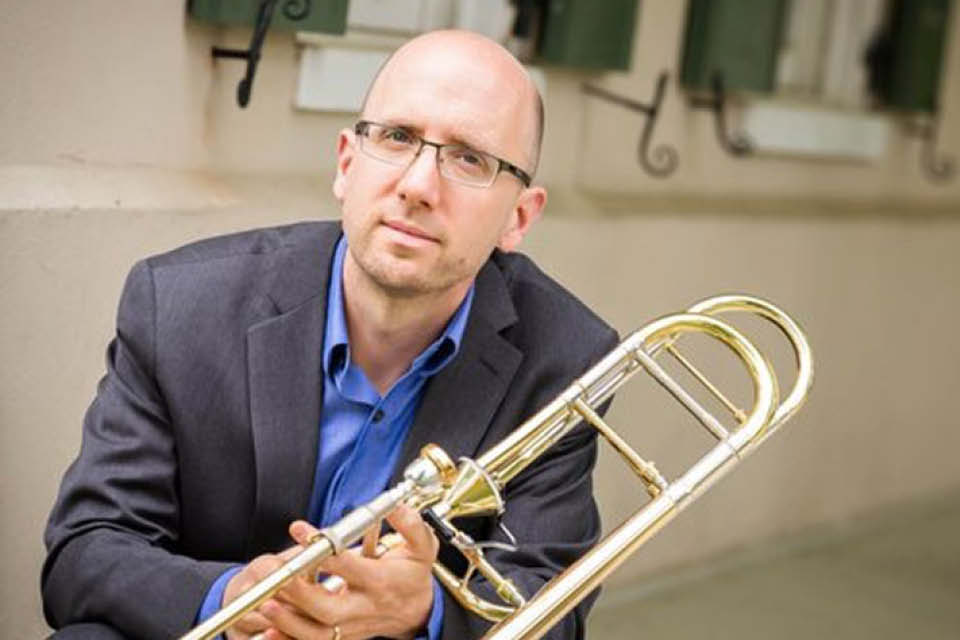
410,229
536,105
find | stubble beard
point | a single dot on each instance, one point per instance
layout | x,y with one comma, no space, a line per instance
399,277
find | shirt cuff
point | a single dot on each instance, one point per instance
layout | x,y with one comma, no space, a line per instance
214,600
435,621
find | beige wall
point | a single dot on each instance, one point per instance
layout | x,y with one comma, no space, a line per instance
893,181
119,137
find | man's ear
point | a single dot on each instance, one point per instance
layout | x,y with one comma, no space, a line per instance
345,151
526,211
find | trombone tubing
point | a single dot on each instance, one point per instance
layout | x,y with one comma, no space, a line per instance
532,438
560,595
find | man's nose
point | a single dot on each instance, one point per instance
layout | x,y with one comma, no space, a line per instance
420,183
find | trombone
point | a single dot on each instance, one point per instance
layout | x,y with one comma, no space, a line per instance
443,491
534,618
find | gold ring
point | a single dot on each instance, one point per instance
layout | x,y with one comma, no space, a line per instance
336,632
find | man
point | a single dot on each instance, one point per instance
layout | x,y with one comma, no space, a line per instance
271,375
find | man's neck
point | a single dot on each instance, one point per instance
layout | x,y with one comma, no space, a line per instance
387,331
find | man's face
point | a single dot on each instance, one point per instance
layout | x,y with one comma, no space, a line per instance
409,229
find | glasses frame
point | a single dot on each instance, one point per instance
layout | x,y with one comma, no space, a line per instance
361,128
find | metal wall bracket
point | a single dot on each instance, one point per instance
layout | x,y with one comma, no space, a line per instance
292,9
737,144
663,160
937,168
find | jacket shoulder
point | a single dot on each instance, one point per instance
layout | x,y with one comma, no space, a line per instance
255,242
234,280
548,315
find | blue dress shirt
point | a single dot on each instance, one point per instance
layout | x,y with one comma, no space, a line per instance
361,432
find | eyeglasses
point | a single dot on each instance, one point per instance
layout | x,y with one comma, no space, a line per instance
457,162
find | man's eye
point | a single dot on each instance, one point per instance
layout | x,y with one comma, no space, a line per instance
397,136
468,157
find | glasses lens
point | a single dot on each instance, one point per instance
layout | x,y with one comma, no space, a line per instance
467,165
390,144
399,146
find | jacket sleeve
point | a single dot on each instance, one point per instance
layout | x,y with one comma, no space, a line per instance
114,526
551,511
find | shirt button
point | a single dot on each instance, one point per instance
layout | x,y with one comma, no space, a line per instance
377,416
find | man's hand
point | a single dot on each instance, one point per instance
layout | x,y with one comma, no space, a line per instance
259,568
388,596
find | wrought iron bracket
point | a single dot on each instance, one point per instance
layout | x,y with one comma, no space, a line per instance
292,9
663,160
737,144
938,168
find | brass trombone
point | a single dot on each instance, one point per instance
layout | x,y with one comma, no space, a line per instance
555,599
443,491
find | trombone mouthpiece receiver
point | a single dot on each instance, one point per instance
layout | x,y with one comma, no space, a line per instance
432,468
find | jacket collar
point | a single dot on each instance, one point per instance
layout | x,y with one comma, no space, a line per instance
284,379
460,402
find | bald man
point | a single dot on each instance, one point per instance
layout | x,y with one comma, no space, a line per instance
265,383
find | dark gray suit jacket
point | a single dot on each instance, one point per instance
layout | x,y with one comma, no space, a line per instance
200,446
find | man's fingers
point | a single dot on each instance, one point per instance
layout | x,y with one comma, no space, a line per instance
355,567
288,554
370,539
287,621
259,568
302,531
420,539
340,607
421,542
356,571
391,593
309,608
343,565
252,623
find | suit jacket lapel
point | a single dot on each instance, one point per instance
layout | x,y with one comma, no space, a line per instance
460,401
284,372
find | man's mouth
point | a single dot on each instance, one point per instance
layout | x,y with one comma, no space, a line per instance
409,230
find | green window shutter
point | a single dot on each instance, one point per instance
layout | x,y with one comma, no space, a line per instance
588,33
328,16
738,38
918,35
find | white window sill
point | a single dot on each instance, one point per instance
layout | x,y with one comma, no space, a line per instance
804,130
335,70
352,39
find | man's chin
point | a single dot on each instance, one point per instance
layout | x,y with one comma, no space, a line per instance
400,278
404,277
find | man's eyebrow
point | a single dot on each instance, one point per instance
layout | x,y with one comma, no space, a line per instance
475,145
456,139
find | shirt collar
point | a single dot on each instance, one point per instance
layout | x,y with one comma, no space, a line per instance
336,339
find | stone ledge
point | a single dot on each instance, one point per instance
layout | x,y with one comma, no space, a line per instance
98,187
